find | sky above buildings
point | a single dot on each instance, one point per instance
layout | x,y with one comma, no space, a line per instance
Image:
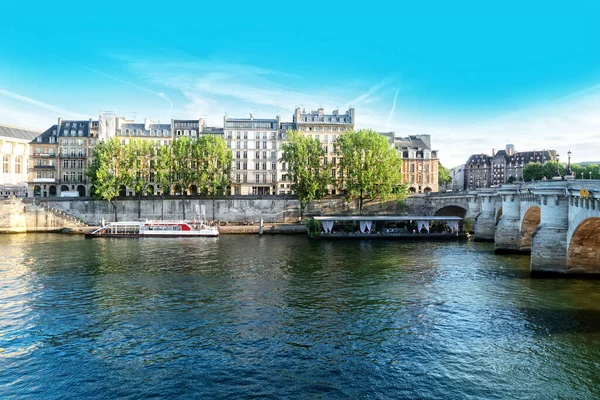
474,76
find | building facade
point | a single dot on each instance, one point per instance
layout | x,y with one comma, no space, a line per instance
254,145
73,143
420,164
458,178
326,128
44,164
61,155
14,156
504,166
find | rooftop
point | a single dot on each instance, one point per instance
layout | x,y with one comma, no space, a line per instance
14,132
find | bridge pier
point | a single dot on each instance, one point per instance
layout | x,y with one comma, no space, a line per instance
473,206
507,235
549,247
485,222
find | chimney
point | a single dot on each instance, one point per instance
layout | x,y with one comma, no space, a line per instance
493,152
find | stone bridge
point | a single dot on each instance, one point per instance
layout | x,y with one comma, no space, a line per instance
557,221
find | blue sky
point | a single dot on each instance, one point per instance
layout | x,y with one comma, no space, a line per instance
474,76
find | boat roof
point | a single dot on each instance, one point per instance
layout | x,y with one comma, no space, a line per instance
390,218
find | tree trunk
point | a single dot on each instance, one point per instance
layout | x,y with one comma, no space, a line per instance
140,205
162,205
213,207
114,209
360,202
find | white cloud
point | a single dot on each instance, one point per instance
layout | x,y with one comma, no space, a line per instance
13,112
213,89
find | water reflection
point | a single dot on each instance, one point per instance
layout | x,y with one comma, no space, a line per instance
285,317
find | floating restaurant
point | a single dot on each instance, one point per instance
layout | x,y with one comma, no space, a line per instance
392,227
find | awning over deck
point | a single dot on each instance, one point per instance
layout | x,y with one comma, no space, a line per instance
366,221
387,218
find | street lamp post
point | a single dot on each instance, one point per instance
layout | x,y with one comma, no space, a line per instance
590,175
569,162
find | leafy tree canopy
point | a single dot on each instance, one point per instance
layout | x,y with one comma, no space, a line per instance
305,167
369,167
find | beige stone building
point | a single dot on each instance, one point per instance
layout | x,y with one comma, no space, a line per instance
254,147
326,128
420,164
14,159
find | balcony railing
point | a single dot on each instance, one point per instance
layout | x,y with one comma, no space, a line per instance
44,167
76,155
44,155
78,182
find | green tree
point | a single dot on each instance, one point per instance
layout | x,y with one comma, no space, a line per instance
213,166
305,167
533,172
137,156
213,160
591,171
182,166
444,177
550,169
163,169
108,170
163,173
536,171
369,167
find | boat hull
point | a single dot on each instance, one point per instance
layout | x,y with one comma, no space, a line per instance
153,235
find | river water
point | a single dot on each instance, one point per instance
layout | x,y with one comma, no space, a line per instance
286,317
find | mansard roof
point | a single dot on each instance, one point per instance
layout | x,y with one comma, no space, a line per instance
76,125
45,136
520,157
14,132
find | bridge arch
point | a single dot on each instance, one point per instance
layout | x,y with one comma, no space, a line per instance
451,211
584,247
529,223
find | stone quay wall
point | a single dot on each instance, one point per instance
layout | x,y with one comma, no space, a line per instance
17,216
20,215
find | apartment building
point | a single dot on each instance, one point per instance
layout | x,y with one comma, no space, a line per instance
420,163
60,158
14,156
504,166
255,152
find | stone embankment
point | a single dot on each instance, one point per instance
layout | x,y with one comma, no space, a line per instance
234,214
18,216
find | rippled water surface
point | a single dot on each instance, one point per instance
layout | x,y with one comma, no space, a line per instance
285,317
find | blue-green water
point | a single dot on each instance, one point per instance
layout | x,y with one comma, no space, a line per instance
285,317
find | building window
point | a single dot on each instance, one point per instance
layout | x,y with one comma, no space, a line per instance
6,163
18,164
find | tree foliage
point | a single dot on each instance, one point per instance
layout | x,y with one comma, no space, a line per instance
108,170
537,171
591,171
204,163
305,167
369,167
444,177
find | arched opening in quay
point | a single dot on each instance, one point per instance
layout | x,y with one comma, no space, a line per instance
531,220
584,248
451,211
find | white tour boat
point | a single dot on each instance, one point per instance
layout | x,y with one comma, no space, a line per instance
154,229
